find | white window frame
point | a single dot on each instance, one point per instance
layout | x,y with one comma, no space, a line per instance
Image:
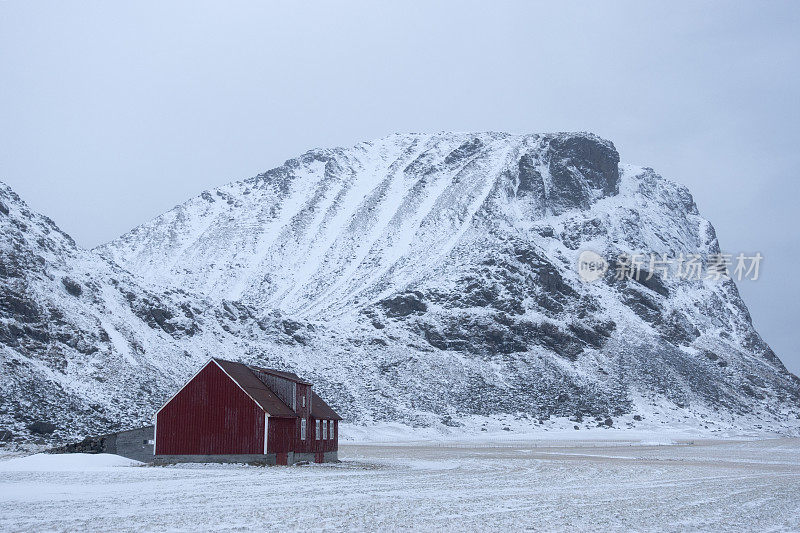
330,427
303,400
324,429
317,428
303,429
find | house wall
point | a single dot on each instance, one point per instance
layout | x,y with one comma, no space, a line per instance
285,389
134,444
280,434
315,446
326,445
211,415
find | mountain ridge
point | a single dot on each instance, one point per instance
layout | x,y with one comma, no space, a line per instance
424,278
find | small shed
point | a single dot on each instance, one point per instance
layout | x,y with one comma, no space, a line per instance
232,412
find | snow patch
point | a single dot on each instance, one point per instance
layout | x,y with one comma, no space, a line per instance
68,462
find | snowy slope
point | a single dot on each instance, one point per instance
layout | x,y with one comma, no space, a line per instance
335,228
422,278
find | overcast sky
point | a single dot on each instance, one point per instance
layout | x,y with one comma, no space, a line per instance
111,114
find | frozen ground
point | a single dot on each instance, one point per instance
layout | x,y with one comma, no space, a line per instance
540,485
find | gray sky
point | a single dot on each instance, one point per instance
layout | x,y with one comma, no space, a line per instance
111,114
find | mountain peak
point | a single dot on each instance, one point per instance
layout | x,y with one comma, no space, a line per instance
378,202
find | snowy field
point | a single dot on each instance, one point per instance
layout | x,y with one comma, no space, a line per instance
529,485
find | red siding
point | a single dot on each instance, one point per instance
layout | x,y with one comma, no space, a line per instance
211,415
281,434
311,444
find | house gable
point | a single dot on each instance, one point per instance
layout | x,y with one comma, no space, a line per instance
211,414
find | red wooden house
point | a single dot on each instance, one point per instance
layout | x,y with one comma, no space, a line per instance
240,413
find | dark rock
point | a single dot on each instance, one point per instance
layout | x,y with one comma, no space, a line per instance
652,282
679,330
404,304
87,445
159,317
608,422
73,287
550,336
747,389
187,310
18,306
483,335
530,183
3,208
597,159
597,165
594,337
41,428
290,327
467,149
638,418
642,304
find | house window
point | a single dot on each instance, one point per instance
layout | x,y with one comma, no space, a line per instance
331,426
303,400
317,429
303,429
324,429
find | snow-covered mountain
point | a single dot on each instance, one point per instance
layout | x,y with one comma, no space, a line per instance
419,278
338,229
83,346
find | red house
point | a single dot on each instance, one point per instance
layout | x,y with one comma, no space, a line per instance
232,412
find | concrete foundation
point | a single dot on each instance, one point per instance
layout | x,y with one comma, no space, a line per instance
262,459
254,458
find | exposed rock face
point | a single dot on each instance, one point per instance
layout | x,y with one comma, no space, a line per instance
421,278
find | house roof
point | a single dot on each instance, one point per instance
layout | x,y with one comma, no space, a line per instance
245,377
256,389
280,373
320,409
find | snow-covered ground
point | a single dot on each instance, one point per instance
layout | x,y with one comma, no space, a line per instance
661,424
541,485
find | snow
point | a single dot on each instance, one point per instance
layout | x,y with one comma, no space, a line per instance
74,462
655,429
552,486
120,343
